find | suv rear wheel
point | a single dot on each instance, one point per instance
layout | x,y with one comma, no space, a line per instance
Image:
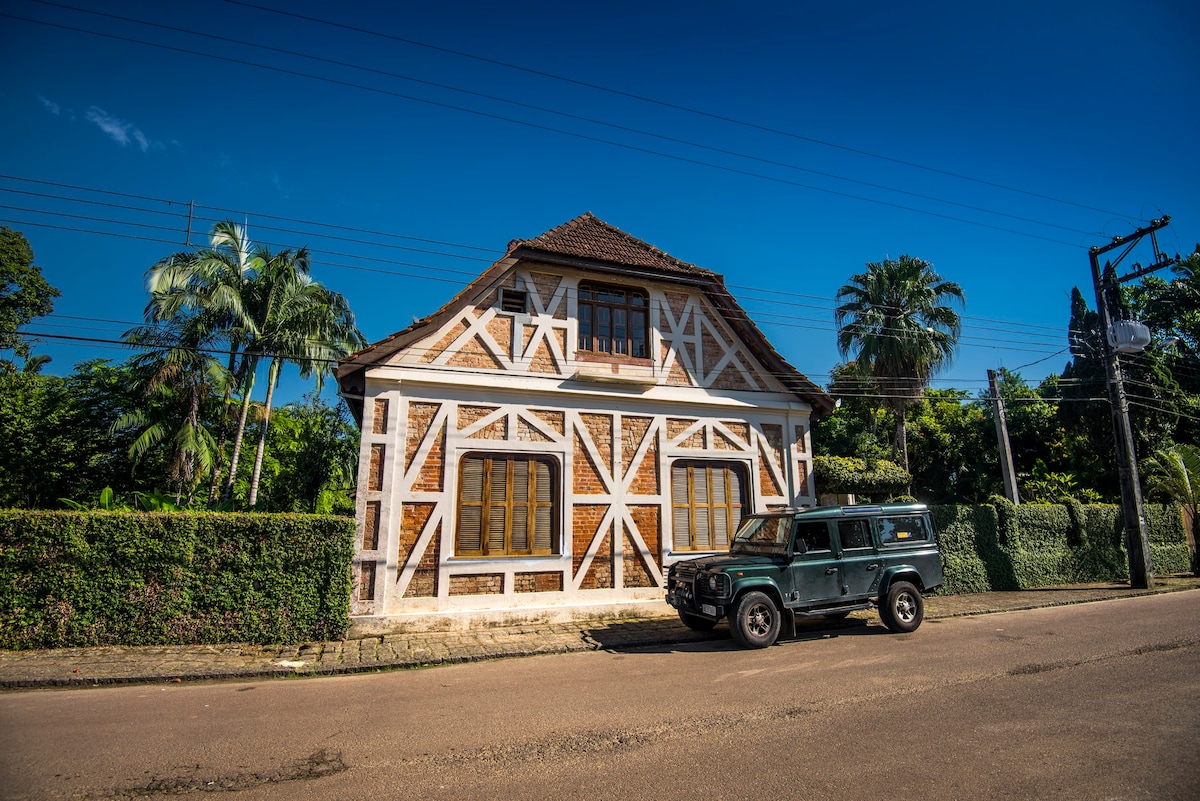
904,608
755,621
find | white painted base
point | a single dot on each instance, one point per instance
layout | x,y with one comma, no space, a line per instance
468,620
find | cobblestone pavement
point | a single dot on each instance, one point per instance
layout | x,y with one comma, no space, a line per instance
177,663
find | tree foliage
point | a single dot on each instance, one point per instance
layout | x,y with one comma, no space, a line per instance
898,322
24,293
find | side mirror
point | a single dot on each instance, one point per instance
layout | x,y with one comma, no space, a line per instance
800,548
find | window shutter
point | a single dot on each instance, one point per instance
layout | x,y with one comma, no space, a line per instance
497,505
703,528
543,520
470,515
520,507
681,536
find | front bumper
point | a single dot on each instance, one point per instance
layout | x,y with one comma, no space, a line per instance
683,594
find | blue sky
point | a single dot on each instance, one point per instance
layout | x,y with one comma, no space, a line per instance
996,141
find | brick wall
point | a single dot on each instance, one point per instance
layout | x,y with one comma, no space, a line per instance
586,481
600,428
379,417
474,354
538,582
482,584
424,583
634,569
370,540
375,468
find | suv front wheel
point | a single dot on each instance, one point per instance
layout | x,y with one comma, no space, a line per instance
903,609
755,620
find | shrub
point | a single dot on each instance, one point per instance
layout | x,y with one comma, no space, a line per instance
98,578
1008,547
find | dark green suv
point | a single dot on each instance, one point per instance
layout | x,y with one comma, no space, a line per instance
827,561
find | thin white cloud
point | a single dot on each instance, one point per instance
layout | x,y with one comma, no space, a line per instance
120,131
50,105
283,190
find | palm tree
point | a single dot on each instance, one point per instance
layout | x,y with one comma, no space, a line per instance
211,282
894,321
178,378
1174,474
299,321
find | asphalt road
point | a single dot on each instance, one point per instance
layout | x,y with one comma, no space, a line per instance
1095,701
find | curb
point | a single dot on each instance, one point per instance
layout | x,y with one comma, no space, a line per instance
46,669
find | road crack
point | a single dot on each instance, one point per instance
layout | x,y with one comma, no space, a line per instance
314,766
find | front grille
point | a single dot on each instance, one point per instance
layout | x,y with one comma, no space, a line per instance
685,572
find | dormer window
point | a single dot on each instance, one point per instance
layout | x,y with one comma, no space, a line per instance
612,321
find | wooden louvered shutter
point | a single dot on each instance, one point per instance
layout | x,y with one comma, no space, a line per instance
520,507
681,534
497,505
470,508
720,507
543,516
735,502
701,510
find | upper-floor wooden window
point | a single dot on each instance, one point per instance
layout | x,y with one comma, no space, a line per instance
612,320
507,506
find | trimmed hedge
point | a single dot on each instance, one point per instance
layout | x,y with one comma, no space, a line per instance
1008,547
852,475
70,579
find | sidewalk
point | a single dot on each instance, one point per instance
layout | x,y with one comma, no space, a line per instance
176,663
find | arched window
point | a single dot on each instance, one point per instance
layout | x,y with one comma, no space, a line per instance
612,321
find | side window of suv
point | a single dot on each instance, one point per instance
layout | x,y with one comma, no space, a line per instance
811,536
900,530
854,534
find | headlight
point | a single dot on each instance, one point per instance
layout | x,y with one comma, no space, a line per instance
713,583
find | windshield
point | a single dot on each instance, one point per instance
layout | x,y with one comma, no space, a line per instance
762,534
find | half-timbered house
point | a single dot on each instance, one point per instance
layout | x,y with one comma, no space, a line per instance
586,412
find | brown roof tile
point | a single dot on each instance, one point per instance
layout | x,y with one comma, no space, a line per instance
589,237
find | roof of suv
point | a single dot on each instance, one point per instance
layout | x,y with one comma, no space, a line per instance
859,510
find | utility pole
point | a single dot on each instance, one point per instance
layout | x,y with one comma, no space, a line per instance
1006,462
1137,544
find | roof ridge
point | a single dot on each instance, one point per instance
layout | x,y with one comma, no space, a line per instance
588,236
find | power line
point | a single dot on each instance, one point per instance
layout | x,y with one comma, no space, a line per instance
666,104
771,295
551,129
778,318
568,115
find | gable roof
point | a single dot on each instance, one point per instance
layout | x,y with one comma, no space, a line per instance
589,243
589,238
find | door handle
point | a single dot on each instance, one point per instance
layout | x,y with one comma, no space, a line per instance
872,567
829,571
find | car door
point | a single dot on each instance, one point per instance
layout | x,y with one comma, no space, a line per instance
860,562
814,571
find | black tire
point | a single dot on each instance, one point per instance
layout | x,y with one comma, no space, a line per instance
696,623
903,609
755,621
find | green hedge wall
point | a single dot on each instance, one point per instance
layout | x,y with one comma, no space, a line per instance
1008,547
71,579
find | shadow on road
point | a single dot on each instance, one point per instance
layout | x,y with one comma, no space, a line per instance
630,637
